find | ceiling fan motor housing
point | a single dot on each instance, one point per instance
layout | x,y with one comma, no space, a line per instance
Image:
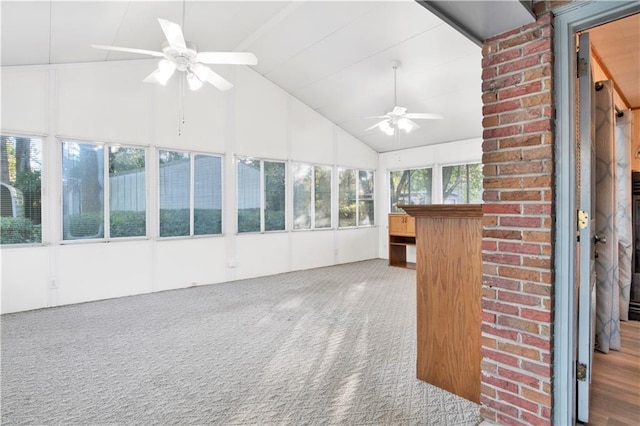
183,58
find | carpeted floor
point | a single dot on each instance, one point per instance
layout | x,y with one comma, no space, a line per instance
333,345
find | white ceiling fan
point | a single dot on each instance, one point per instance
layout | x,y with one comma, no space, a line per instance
180,55
398,117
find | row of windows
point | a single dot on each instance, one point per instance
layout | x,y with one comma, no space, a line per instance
461,184
104,193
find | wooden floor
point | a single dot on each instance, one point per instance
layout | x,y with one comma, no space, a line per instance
615,386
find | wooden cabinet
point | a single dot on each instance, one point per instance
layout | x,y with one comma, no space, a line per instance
402,233
449,294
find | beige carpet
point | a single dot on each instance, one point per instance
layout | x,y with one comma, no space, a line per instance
333,345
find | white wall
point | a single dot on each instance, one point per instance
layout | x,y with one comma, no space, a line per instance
107,102
435,156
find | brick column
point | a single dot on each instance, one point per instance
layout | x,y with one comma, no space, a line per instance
518,225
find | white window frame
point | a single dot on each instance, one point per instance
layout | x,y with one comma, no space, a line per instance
433,173
453,164
192,177
357,214
105,190
313,195
44,174
262,195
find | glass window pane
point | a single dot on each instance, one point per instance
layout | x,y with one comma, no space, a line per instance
274,196
248,195
175,188
322,180
420,186
82,192
462,184
207,215
20,190
475,183
365,198
302,179
399,182
347,197
127,192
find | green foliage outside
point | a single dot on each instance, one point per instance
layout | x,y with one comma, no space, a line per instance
128,224
84,225
174,223
19,230
249,220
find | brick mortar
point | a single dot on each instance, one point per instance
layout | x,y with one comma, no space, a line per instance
518,225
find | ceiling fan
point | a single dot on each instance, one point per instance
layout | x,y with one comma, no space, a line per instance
398,117
180,55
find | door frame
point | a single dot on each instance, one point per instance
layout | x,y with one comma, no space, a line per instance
569,20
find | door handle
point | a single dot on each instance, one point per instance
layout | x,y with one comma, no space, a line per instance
598,239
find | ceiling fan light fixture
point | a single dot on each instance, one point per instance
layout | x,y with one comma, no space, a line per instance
201,71
194,82
405,124
165,71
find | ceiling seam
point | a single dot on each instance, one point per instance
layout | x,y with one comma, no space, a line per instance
115,37
319,41
442,65
364,59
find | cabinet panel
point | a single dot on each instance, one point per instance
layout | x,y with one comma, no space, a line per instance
401,234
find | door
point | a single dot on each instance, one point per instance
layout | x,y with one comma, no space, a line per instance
586,225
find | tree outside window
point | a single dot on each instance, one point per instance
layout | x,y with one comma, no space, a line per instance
411,186
462,184
20,190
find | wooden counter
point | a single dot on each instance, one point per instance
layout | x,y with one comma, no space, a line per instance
449,294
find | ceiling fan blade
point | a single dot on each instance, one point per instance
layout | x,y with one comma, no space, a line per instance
216,79
231,58
375,125
398,110
173,33
151,78
424,116
412,123
127,49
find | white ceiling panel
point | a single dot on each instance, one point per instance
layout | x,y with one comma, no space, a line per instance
334,56
25,33
73,23
300,30
387,25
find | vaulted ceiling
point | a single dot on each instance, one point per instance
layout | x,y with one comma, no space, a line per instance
335,56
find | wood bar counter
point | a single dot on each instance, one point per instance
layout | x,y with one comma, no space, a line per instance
449,294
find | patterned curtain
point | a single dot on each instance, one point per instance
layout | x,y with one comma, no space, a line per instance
623,209
607,287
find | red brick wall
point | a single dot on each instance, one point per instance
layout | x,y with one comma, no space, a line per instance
518,224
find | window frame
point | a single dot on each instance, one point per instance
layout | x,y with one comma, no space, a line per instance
106,202
44,176
465,163
356,171
313,196
262,190
432,167
192,154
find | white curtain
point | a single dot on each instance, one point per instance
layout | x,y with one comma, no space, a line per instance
623,209
607,286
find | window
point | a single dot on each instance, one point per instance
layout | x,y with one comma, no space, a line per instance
20,190
261,195
190,194
410,187
462,184
356,195
85,181
311,196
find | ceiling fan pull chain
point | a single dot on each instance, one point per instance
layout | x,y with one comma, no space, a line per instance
180,104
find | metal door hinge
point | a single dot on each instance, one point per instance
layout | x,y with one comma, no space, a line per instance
583,66
581,372
583,219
